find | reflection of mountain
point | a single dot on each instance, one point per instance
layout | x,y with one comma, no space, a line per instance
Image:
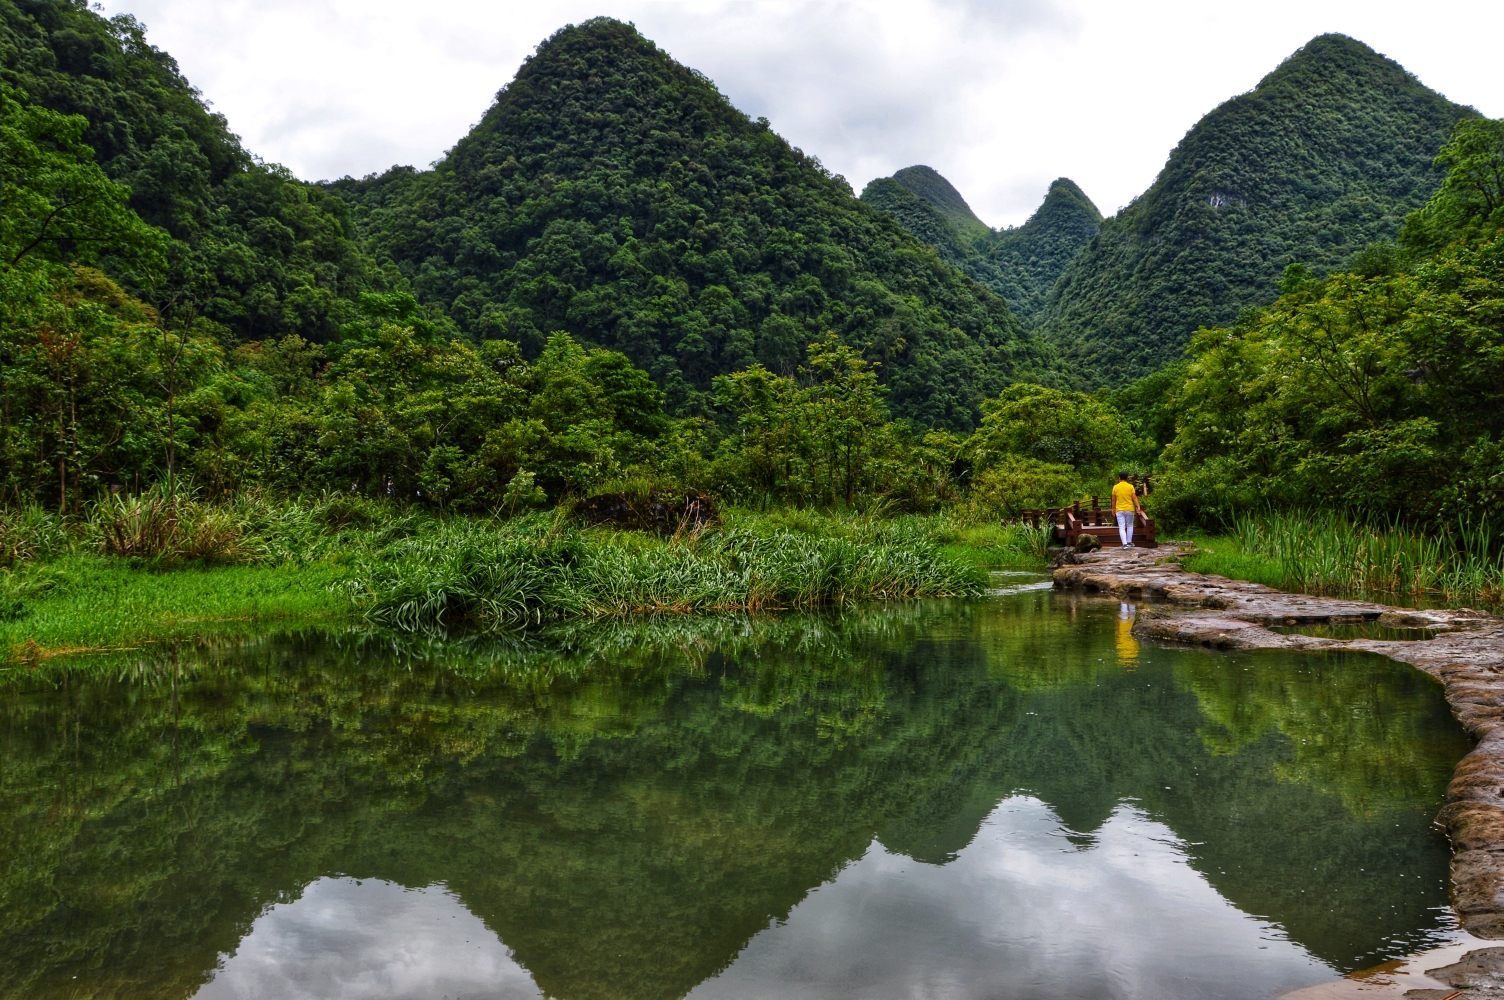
146,823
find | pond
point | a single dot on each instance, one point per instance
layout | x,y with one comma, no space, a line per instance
1007,797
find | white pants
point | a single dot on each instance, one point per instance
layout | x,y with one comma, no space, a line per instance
1125,527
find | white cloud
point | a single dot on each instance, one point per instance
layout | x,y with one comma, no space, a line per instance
1001,96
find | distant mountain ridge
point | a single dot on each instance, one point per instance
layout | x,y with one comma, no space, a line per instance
616,194
1328,153
1020,264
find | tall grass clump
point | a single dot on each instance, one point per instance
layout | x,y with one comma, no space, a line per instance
1330,553
30,532
530,571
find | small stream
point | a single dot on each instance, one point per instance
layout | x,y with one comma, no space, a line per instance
1007,797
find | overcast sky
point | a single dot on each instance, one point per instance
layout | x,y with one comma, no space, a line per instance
1001,97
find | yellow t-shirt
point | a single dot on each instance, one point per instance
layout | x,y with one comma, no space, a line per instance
1122,496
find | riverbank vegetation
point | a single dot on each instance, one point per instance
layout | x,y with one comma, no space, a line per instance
144,569
1331,553
237,373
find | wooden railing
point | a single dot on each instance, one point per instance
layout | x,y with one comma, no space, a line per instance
1070,523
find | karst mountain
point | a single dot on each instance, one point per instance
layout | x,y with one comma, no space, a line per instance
1327,154
1020,264
616,194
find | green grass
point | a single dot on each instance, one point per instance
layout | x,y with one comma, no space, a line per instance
1224,555
994,546
540,569
1327,553
330,561
90,602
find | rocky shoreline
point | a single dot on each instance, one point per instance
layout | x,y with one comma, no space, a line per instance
1466,655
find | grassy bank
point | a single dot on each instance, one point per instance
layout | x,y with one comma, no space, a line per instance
134,572
1327,553
85,602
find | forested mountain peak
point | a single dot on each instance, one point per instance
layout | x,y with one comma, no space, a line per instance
928,184
1020,264
1328,153
613,193
1065,206
1030,258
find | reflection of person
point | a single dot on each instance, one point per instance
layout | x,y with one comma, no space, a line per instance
1124,504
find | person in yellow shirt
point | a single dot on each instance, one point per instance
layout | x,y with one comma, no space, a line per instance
1124,505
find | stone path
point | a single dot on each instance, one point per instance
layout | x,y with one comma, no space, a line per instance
1466,656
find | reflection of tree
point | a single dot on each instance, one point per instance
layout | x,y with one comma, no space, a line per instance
626,807
1356,728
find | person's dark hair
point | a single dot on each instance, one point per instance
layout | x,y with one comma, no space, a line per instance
1122,475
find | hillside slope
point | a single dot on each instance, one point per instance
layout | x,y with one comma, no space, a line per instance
255,251
616,194
1032,257
1019,264
1327,154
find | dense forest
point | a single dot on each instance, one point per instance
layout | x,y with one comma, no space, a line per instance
619,282
612,193
1020,264
1379,388
1327,154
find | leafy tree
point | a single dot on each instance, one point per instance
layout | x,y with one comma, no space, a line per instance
250,249
1470,202
1379,394
1051,426
56,204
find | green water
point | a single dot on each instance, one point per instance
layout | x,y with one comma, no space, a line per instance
1008,797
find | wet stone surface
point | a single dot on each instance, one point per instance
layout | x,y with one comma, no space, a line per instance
1466,655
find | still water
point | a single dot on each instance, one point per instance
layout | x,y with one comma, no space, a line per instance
1001,798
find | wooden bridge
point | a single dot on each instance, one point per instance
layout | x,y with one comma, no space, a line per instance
1070,523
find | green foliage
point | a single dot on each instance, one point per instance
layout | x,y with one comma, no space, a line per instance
1069,429
1383,395
825,442
1020,264
1325,156
252,250
1470,202
55,202
615,194
1016,483
1149,406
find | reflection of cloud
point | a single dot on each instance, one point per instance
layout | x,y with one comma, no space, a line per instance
1021,913
345,939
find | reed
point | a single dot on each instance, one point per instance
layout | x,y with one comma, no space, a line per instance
500,575
1328,552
